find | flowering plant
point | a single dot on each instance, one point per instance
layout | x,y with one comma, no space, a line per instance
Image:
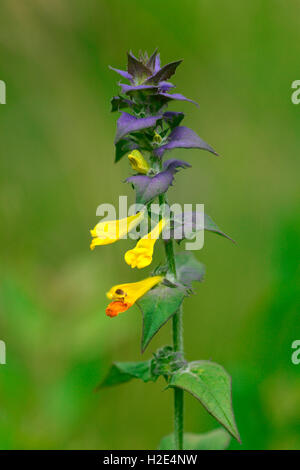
145,132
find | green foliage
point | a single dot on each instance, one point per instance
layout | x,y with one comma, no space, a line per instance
188,268
124,146
162,302
157,307
211,385
189,224
118,103
167,361
205,380
218,439
121,372
211,226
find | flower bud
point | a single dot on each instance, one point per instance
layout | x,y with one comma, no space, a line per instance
157,138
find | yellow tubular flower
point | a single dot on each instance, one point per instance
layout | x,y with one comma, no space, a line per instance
105,233
138,163
141,256
123,296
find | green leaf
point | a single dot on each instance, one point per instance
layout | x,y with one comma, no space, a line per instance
118,103
137,69
124,146
211,226
157,307
188,224
188,268
218,439
121,372
211,385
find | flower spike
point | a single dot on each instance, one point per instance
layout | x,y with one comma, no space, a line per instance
145,132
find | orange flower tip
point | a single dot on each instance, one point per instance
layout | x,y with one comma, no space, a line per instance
116,307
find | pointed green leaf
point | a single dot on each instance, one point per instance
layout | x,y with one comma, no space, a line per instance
121,372
214,440
157,307
188,224
136,68
188,268
211,385
164,73
211,226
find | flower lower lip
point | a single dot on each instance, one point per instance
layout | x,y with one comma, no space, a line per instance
116,307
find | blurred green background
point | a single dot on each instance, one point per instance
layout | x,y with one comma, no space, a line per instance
56,167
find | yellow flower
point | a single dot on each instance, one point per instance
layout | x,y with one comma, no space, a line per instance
123,296
138,163
110,231
141,255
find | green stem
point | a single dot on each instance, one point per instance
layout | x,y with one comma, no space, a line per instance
178,393
170,256
178,346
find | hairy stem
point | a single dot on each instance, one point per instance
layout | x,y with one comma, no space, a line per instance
178,393
178,346
170,256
